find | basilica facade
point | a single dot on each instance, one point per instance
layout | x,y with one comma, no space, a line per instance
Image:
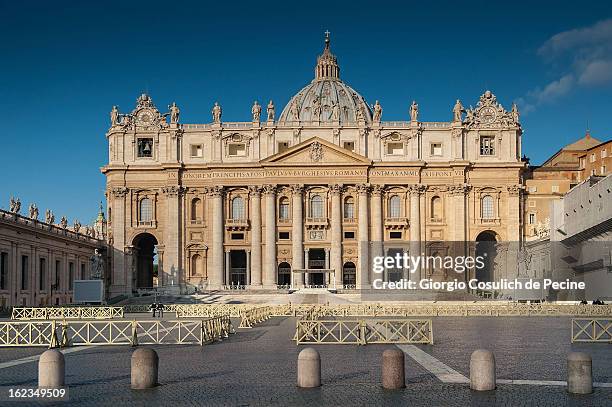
307,197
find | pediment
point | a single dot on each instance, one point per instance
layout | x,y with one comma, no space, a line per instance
316,151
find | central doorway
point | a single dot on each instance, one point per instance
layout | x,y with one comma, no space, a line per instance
238,269
316,261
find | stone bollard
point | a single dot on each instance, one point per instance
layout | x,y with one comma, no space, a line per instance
309,368
144,368
51,369
482,370
579,373
393,373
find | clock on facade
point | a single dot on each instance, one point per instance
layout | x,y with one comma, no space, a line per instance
487,115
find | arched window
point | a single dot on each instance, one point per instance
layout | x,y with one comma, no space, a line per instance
349,208
487,207
195,263
196,209
316,206
283,208
436,208
238,208
146,210
394,206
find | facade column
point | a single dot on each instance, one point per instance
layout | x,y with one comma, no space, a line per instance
377,224
415,226
216,274
297,233
255,192
172,233
270,260
227,268
120,280
336,232
363,244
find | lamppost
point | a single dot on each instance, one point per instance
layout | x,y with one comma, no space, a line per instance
54,287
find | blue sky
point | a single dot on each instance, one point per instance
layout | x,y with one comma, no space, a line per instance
63,66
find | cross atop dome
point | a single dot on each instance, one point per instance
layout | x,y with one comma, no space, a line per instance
327,65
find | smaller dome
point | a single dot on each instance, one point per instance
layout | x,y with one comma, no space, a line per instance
327,99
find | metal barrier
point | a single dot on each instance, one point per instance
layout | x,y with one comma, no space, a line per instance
77,333
37,313
430,310
592,330
250,317
362,332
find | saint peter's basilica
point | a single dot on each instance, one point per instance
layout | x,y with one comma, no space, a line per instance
306,195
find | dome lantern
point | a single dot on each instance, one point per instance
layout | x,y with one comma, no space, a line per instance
327,64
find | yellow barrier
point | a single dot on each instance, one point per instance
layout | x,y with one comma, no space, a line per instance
38,313
592,330
362,332
151,332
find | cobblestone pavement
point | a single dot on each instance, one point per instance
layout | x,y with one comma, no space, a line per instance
258,367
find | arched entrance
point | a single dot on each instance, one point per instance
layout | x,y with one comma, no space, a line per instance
349,275
486,247
284,274
144,245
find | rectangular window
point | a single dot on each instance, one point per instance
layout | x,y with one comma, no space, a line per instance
3,270
283,235
349,145
42,274
349,235
593,157
603,170
24,273
237,236
555,188
532,218
436,149
145,147
604,153
283,146
395,148
237,150
395,235
487,145
196,150
70,275
582,162
82,271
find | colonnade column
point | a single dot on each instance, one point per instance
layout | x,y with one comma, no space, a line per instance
255,269
363,244
415,226
336,233
270,261
248,268
377,223
216,274
297,234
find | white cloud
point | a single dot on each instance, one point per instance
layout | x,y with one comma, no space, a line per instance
587,54
596,73
597,35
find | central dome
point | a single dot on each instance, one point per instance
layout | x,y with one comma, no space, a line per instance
326,99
